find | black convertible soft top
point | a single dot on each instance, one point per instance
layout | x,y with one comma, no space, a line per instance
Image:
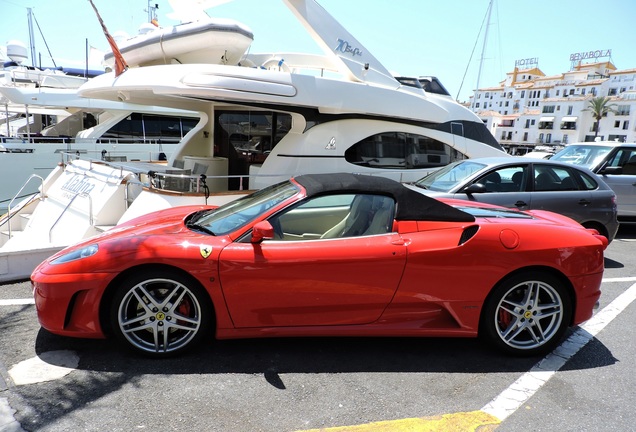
411,205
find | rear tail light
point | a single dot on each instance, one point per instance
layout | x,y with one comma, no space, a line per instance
600,237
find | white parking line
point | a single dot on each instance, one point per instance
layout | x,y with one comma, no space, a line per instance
528,384
48,366
17,302
623,279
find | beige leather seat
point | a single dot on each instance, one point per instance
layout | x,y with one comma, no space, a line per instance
356,222
382,222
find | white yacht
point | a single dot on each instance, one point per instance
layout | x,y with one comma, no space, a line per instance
262,120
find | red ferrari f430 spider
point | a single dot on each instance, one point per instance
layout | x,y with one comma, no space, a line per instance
327,255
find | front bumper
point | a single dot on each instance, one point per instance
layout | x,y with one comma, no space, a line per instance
69,305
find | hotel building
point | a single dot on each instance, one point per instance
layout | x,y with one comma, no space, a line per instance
529,109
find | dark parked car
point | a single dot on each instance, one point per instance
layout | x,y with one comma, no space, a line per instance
615,163
528,184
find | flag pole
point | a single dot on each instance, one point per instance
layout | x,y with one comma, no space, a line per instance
120,64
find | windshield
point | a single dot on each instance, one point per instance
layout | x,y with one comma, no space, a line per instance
237,214
446,178
586,155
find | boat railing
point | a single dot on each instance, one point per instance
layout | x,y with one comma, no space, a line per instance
69,141
21,77
90,212
158,175
115,163
18,196
128,199
110,156
194,183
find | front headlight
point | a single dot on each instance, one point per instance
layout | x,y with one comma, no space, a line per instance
77,254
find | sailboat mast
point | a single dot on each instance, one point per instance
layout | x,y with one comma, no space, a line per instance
483,48
31,36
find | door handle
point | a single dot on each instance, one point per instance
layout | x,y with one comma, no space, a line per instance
585,202
520,204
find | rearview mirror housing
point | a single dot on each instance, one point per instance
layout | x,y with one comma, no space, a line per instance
262,230
475,188
611,170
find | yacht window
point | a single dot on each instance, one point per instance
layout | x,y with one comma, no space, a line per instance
145,127
251,134
397,150
246,138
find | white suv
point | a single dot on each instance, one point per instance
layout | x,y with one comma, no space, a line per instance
615,163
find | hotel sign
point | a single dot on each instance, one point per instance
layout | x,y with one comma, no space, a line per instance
590,55
527,62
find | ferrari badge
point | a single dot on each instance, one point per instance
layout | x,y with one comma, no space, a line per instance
205,250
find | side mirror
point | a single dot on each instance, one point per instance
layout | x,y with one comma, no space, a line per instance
475,188
263,230
611,170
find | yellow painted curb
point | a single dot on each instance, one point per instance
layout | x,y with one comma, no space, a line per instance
475,421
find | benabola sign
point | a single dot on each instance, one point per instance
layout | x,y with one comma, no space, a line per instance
590,55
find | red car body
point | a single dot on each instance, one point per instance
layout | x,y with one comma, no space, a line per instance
425,276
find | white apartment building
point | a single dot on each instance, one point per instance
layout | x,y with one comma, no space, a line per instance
529,109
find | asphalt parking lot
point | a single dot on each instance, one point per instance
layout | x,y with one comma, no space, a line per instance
50,383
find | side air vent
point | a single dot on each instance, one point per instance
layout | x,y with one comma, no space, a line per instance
468,234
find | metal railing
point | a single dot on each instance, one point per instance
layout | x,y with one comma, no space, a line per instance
41,194
91,222
69,141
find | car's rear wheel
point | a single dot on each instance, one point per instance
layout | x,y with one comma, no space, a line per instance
160,313
527,314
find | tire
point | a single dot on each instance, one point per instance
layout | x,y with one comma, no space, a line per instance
527,314
160,313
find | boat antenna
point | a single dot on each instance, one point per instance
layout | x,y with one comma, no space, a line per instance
120,64
152,13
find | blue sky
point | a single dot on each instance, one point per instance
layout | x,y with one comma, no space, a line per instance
410,37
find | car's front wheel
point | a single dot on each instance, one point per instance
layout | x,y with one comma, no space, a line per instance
160,313
527,314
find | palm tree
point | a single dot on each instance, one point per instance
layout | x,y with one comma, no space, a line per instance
600,107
